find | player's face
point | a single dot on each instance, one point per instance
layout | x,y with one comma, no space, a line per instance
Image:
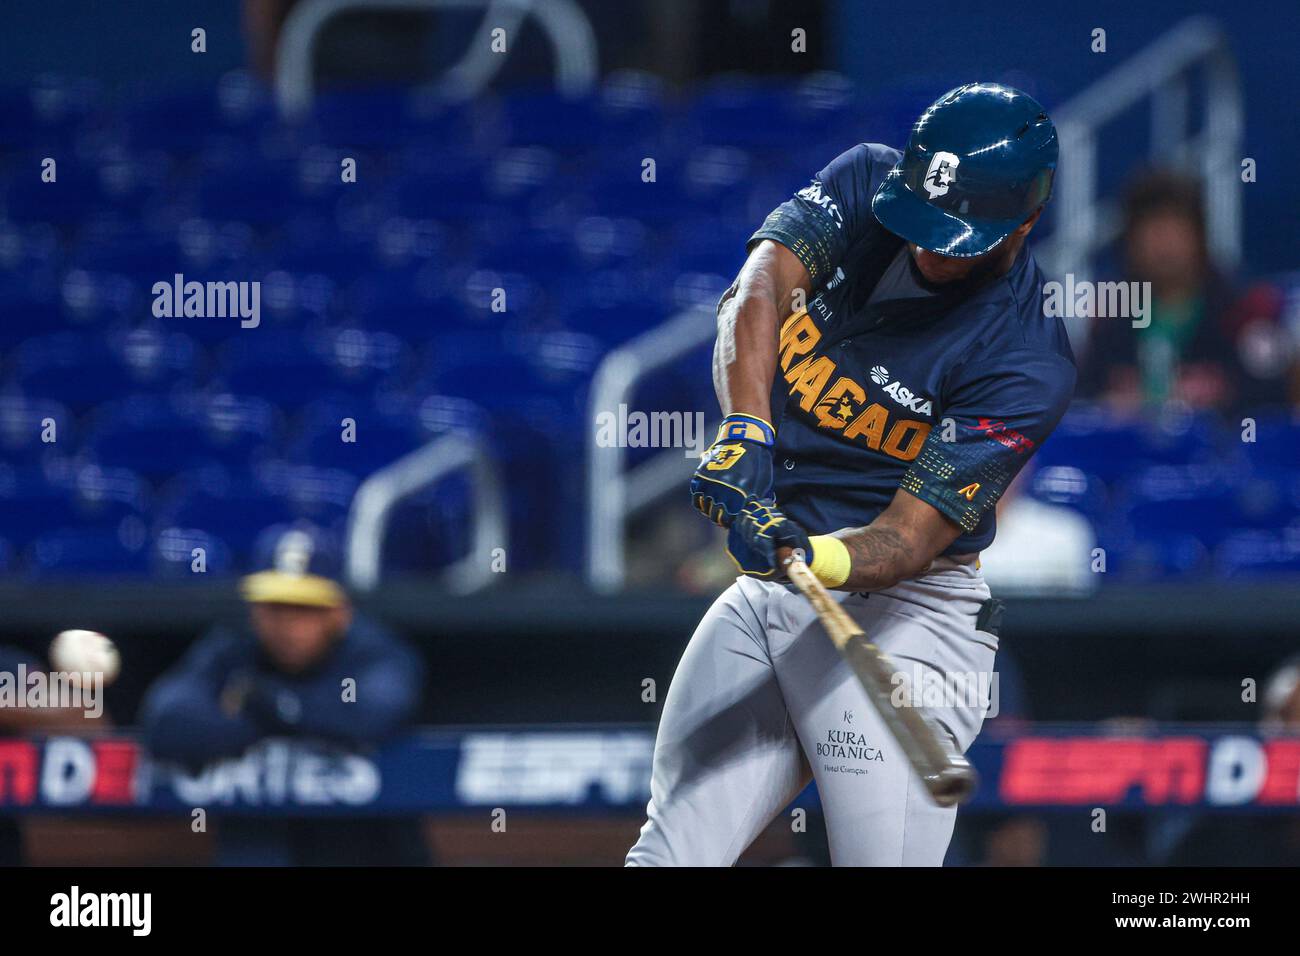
939,269
296,637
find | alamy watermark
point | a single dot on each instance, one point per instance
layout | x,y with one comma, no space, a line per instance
927,688
1084,299
35,689
208,300
625,429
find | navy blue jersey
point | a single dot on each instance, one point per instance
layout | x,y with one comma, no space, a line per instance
886,382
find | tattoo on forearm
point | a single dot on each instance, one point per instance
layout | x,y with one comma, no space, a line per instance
881,557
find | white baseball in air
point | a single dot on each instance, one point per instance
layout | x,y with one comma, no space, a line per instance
85,651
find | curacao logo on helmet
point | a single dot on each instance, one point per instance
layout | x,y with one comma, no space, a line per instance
940,175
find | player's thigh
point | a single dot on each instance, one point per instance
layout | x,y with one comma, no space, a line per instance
877,810
726,757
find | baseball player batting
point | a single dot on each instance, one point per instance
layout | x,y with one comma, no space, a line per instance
885,368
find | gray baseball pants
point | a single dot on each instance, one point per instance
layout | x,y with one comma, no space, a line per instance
762,702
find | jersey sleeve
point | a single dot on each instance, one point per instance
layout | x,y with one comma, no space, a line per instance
822,219
997,413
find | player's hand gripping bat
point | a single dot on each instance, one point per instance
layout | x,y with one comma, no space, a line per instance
947,775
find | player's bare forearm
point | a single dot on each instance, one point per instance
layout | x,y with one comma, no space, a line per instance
749,324
900,543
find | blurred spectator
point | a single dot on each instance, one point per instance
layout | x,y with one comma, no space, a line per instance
1192,351
1282,698
1015,841
1040,548
285,678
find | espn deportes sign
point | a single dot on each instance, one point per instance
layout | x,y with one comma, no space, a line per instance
1226,770
607,768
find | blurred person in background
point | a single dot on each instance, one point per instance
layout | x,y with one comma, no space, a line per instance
35,721
1193,351
1015,840
1041,548
283,677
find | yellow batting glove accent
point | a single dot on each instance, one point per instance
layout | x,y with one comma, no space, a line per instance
831,561
751,427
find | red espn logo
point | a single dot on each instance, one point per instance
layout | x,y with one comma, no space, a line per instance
1220,771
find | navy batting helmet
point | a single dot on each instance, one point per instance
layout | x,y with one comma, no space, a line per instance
979,161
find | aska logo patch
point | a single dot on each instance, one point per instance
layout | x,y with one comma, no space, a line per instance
900,393
906,397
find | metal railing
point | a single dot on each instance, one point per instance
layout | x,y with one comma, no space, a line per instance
373,505
563,22
1086,222
614,493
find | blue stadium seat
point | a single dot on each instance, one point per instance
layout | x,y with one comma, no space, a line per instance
134,184
248,189
174,557
80,552
1276,444
232,506
1099,443
81,369
313,246
235,506
28,499
73,369
75,192
614,305
550,253
291,369
182,122
711,246
23,429
383,119
617,190
147,257
766,115
444,184
1167,500
1260,553
46,114
567,125
160,439
378,438
319,495
1068,486
29,316
430,530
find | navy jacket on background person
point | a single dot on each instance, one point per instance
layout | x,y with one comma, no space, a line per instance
183,721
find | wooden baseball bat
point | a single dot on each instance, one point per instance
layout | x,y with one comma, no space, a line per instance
946,773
